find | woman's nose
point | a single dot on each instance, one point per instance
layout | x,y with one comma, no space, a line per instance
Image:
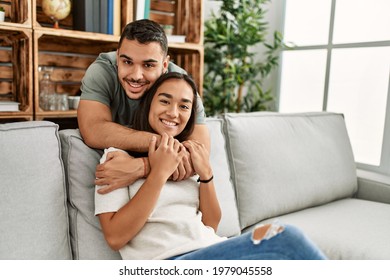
172,111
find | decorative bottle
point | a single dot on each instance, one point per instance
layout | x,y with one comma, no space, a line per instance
46,90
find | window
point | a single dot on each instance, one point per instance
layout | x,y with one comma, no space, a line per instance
339,61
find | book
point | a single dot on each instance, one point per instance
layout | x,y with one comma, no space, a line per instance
78,13
84,15
176,38
140,9
110,17
147,9
117,18
103,16
94,16
9,106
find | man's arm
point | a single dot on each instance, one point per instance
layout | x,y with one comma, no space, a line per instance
202,135
99,131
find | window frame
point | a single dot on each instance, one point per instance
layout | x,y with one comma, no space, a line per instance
384,167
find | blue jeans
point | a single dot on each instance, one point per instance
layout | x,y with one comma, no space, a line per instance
290,244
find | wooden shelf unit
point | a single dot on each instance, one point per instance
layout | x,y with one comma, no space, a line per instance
16,70
69,53
28,42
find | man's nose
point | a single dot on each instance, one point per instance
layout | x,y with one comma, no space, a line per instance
137,73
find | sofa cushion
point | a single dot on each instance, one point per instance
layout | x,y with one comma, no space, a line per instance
349,229
80,162
229,225
33,212
283,163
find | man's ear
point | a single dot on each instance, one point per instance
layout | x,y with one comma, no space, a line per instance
166,63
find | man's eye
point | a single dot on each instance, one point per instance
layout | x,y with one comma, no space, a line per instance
149,65
127,62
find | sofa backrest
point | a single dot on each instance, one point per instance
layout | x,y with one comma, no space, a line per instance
80,162
33,212
229,225
283,163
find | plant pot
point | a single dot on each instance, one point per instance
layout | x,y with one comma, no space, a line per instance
2,16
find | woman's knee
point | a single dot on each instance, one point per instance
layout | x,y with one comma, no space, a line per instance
266,232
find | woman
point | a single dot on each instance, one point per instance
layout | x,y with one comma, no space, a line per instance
156,218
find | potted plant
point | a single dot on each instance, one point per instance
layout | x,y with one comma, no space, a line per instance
233,78
2,14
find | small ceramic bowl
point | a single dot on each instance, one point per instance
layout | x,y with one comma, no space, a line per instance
73,102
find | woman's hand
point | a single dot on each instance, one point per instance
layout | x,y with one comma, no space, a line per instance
200,158
165,158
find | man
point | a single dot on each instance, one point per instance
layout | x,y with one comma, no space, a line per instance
111,89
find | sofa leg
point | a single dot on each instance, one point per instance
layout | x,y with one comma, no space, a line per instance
265,232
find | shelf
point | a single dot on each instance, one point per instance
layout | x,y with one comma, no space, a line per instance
190,59
17,13
39,19
76,34
56,114
15,118
16,69
28,41
69,54
186,16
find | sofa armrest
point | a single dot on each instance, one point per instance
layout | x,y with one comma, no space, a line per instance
373,186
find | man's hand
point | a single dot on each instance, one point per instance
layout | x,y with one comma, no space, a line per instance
119,170
185,168
200,158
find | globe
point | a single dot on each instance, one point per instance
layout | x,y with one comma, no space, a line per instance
56,9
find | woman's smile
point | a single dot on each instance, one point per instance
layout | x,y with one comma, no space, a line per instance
169,123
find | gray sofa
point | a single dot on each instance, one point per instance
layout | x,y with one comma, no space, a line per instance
296,168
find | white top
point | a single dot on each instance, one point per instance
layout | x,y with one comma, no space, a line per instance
174,227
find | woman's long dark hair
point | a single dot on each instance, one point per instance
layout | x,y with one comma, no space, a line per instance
141,117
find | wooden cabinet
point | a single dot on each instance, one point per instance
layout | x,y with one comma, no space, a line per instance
16,64
28,42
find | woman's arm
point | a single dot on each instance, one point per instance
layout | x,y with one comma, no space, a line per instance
208,201
120,227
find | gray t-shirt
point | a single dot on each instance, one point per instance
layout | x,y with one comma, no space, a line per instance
101,84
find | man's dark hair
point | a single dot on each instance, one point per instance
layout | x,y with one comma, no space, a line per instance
141,118
145,31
